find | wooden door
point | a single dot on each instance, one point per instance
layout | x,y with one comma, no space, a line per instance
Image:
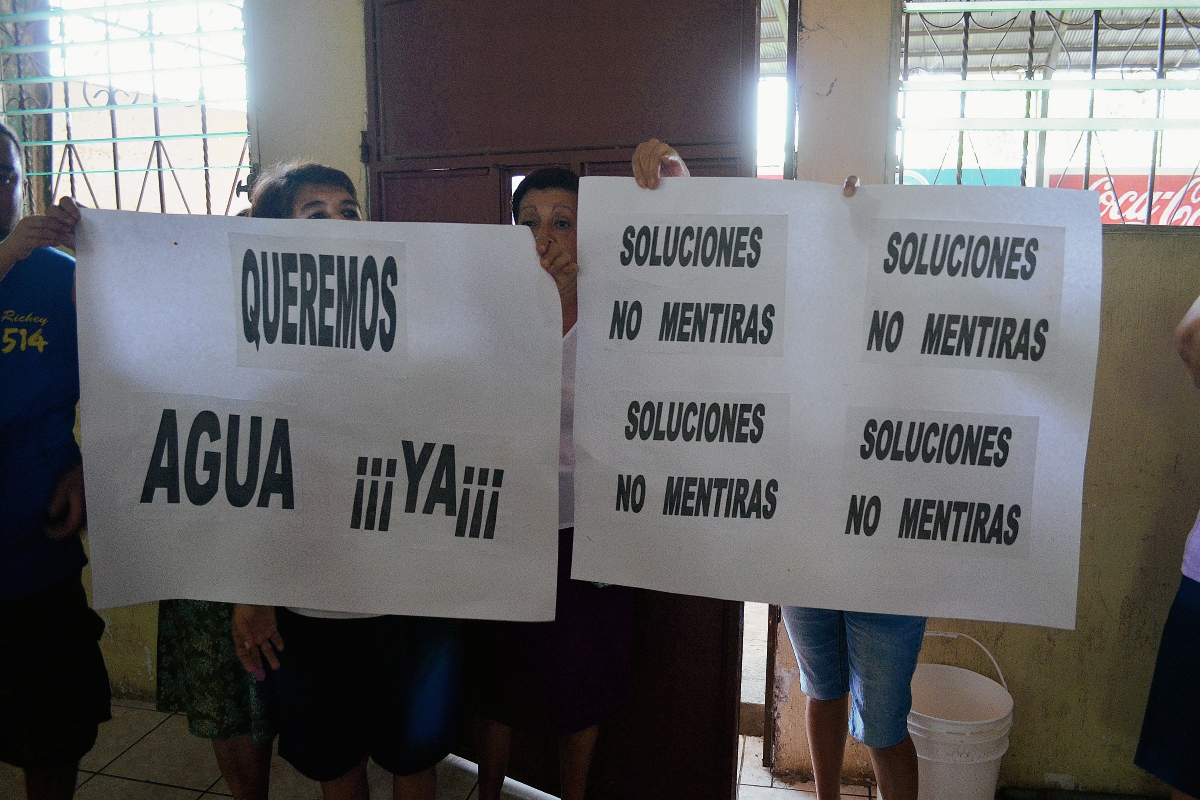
465,94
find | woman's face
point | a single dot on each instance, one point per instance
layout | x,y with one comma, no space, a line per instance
550,214
324,202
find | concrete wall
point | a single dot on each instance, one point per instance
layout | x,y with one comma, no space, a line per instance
1079,695
847,69
308,83
128,644
308,99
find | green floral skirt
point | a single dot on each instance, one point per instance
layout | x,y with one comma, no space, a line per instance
199,673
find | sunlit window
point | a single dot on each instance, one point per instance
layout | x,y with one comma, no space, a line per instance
129,104
1059,95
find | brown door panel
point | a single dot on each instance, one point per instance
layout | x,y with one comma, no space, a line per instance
462,78
483,194
699,167
677,735
463,195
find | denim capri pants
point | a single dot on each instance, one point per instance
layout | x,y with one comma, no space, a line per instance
870,656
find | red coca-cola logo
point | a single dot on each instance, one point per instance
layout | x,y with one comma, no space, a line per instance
1123,198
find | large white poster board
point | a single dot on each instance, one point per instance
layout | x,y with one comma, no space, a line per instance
353,417
877,403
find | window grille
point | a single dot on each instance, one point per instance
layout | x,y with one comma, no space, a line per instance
1069,94
129,104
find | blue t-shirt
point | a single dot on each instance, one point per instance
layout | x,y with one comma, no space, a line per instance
39,387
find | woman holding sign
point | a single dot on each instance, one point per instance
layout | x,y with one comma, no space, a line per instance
351,686
562,677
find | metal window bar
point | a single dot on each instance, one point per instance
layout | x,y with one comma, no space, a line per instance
1128,47
1093,65
106,75
1028,102
89,11
1159,74
25,49
63,148
903,97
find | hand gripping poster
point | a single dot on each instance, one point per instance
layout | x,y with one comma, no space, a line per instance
876,403
355,418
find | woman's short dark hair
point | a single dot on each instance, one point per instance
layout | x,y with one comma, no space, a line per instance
545,178
8,133
275,189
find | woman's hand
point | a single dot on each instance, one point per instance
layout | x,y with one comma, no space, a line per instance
66,511
55,228
558,262
654,160
1187,341
255,637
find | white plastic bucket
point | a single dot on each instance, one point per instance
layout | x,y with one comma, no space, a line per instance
959,723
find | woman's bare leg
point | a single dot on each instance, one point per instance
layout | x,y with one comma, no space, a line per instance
421,786
827,723
492,742
896,770
574,760
51,783
351,786
245,766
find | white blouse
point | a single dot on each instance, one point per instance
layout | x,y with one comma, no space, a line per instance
566,430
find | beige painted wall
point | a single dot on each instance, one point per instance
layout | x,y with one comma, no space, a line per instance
129,642
1079,695
308,99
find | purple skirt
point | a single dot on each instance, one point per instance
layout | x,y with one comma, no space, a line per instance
556,677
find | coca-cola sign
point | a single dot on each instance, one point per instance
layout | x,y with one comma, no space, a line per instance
1123,198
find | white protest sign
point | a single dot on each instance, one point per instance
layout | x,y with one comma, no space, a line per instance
351,417
878,403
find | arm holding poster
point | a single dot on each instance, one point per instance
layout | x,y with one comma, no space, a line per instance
43,608
654,160
885,646
55,228
66,512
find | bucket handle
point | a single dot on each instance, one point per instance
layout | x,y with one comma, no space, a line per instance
988,653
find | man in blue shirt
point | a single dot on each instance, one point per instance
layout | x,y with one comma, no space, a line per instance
53,684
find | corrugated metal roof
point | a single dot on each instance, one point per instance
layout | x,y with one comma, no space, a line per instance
999,42
772,43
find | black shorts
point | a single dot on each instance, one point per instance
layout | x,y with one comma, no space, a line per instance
1169,747
53,685
386,687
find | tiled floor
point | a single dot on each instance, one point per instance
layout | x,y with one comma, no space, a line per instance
755,782
754,652
143,754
